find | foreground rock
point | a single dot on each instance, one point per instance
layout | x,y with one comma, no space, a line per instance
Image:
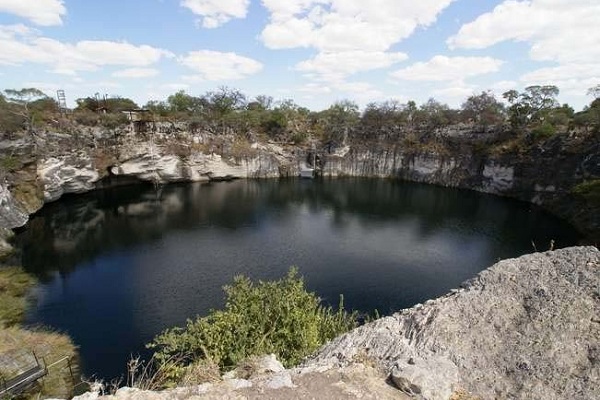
526,328
356,381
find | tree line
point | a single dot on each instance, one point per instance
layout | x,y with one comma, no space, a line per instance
229,111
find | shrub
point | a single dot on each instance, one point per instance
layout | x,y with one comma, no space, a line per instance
589,191
278,317
544,131
114,120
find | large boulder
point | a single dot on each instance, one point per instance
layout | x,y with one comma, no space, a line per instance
526,328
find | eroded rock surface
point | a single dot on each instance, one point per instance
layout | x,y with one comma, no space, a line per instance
526,328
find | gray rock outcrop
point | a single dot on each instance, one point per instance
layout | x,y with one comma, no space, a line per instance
70,174
526,328
11,215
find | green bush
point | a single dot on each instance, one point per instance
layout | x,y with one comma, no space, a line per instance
113,120
589,190
544,131
278,317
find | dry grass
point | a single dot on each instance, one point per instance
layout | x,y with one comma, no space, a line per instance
14,285
462,394
203,371
49,347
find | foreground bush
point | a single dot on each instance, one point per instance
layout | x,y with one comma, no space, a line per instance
278,317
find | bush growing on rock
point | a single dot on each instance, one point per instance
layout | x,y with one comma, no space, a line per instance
278,317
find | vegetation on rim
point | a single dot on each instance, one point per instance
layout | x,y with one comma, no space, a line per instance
279,317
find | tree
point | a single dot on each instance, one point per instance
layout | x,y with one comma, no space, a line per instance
23,98
594,91
182,102
338,120
483,109
532,105
435,114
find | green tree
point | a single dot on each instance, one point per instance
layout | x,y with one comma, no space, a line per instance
22,99
181,102
436,114
339,120
531,106
483,109
594,91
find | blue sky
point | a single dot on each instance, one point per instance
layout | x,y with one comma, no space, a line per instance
312,51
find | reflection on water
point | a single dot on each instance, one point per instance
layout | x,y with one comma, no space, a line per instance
120,265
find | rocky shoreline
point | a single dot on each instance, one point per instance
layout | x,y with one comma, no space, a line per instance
525,328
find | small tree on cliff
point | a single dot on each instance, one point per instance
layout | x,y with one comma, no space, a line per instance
23,99
483,109
532,105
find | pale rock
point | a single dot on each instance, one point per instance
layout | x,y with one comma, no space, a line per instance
70,174
497,178
279,381
269,363
87,396
11,214
152,168
236,384
431,380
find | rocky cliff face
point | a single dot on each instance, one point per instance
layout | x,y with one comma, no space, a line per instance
544,174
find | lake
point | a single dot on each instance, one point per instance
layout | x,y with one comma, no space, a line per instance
118,266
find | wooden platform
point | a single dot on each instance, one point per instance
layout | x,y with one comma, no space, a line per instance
18,371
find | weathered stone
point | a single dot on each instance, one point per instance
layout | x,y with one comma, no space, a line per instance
428,379
279,380
521,329
71,174
11,214
268,363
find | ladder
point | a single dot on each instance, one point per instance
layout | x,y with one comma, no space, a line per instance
62,101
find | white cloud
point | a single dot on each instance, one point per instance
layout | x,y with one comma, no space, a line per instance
40,12
175,86
561,31
359,91
503,86
217,66
573,79
18,46
350,36
344,25
215,13
337,66
315,88
442,68
135,73
455,91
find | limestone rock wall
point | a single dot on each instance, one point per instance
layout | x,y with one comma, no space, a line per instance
69,174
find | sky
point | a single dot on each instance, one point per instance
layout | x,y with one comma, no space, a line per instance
315,52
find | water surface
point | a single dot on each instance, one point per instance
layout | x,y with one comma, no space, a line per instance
118,266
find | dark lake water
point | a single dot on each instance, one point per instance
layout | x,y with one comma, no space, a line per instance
120,265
